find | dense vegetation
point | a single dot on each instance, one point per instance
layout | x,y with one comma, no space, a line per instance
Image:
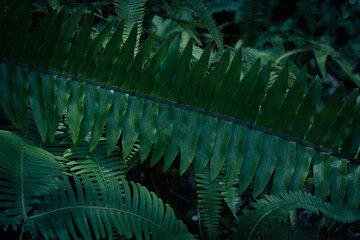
175,119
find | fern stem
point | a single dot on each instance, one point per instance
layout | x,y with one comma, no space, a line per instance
222,26
101,172
188,10
154,184
199,221
293,52
191,33
22,230
260,220
22,183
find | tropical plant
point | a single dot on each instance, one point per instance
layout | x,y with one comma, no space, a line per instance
222,125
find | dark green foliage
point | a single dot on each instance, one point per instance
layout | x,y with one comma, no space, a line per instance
99,201
209,202
89,105
283,230
201,9
132,13
251,16
20,162
103,104
272,207
217,6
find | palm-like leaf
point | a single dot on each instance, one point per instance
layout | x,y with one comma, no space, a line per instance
216,118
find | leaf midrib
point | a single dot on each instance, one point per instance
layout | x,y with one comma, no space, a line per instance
22,187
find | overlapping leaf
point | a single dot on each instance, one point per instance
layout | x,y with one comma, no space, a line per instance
209,202
272,207
20,190
212,117
35,192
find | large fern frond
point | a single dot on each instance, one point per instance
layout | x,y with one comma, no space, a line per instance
283,230
35,192
171,106
276,207
131,209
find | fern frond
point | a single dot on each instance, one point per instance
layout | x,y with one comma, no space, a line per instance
276,207
252,54
217,6
132,13
172,105
32,194
59,145
55,4
98,163
132,210
209,202
310,10
231,196
27,174
201,9
282,230
251,16
80,161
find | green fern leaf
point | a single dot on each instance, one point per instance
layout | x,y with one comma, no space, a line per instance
209,202
178,112
132,13
272,207
135,212
37,202
251,16
282,230
95,163
201,9
20,190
